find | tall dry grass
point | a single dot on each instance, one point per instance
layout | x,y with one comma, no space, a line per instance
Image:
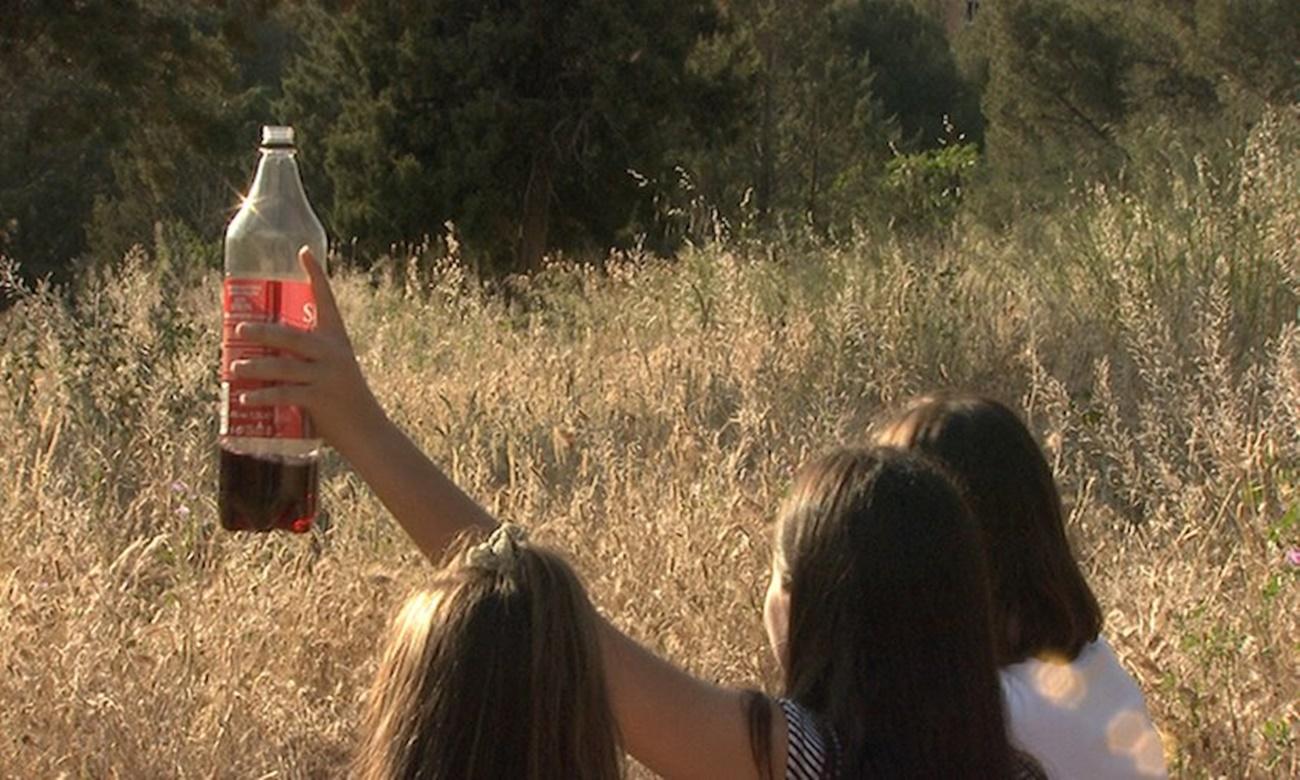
646,418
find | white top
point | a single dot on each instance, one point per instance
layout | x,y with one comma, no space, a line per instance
1085,719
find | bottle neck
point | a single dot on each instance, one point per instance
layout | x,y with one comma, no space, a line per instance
277,173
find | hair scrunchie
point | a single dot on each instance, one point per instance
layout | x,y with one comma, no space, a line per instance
499,552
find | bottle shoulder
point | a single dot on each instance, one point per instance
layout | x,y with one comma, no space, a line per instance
273,217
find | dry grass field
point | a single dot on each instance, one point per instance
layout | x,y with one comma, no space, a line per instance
646,418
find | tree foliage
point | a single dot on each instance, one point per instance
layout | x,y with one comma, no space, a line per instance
915,74
1074,89
541,127
517,121
836,88
116,114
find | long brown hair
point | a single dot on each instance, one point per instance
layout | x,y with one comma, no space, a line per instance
1042,604
493,672
890,638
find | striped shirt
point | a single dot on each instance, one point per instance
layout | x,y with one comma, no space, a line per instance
806,755
812,753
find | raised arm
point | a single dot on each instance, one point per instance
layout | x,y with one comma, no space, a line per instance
676,724
323,377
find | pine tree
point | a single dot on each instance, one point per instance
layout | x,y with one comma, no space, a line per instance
116,114
519,121
1087,89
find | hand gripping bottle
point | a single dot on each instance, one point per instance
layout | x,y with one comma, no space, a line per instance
269,455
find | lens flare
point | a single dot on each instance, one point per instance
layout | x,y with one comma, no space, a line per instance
1130,734
1060,682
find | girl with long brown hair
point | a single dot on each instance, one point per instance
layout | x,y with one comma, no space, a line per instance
878,610
879,617
493,672
1069,701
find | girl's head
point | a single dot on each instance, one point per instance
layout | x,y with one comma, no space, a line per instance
1041,602
493,672
879,610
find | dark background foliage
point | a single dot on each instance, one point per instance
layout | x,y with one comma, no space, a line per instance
541,127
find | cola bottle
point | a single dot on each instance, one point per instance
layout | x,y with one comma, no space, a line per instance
269,455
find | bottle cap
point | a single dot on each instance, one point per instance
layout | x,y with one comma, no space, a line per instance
277,137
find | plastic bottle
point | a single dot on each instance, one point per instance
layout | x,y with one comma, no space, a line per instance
269,457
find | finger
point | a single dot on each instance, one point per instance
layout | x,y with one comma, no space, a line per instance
280,395
327,309
274,369
300,342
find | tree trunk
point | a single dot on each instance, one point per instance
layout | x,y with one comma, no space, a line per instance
814,173
535,224
766,152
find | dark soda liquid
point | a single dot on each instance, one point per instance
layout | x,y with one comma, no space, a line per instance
257,494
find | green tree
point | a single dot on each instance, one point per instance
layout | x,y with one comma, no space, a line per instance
914,71
1086,89
519,121
816,136
1252,44
830,136
1055,97
838,87
119,114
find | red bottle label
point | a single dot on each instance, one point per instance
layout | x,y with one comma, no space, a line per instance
260,300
